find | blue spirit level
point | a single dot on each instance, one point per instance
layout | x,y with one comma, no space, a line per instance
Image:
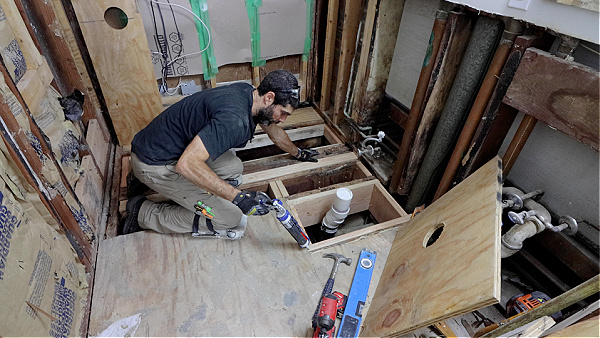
358,294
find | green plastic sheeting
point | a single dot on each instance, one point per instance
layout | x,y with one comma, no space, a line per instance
209,62
309,24
252,7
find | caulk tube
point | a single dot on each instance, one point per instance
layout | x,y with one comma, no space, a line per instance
290,224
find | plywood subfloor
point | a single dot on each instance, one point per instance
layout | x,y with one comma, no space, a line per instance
261,285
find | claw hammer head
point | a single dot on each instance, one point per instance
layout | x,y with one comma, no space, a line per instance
338,259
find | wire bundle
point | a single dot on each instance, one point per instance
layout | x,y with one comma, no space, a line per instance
162,45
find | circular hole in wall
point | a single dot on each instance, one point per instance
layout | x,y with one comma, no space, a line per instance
116,18
433,235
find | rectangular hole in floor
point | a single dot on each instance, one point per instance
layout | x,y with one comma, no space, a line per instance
352,223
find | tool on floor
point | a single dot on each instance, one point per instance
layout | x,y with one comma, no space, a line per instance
358,294
289,223
327,290
522,303
332,306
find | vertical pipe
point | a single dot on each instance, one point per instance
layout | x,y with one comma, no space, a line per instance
452,49
415,109
517,143
483,96
473,68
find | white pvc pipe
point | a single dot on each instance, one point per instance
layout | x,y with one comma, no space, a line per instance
338,212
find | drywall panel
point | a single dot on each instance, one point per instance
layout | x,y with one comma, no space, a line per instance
570,20
411,47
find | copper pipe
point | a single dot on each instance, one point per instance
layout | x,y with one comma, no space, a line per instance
416,110
481,101
517,143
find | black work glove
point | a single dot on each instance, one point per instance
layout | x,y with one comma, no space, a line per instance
306,155
252,202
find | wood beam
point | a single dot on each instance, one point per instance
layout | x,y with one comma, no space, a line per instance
366,36
578,293
263,140
558,92
352,14
296,170
48,18
330,37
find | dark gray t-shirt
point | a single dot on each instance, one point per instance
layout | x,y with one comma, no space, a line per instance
222,117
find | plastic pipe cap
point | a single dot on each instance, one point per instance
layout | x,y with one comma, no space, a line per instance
343,199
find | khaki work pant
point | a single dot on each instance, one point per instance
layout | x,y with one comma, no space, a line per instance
178,216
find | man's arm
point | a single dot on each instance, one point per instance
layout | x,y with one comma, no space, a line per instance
192,165
280,138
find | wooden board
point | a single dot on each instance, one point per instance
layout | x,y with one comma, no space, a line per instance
350,25
99,146
584,328
458,273
121,58
563,94
592,5
295,170
262,285
303,133
302,117
90,190
330,37
281,160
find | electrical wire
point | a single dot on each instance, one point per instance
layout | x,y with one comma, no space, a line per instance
589,48
167,64
197,17
166,50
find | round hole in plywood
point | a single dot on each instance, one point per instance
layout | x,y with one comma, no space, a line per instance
433,234
116,18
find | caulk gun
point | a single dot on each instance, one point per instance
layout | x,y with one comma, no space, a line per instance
290,223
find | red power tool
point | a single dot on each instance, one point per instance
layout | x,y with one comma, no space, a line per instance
323,321
332,306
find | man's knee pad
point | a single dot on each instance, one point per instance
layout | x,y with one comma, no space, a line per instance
231,233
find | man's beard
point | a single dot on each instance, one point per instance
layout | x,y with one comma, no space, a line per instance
265,116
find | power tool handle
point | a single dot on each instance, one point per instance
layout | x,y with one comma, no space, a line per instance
327,290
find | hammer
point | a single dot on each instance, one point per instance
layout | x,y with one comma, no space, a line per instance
329,285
